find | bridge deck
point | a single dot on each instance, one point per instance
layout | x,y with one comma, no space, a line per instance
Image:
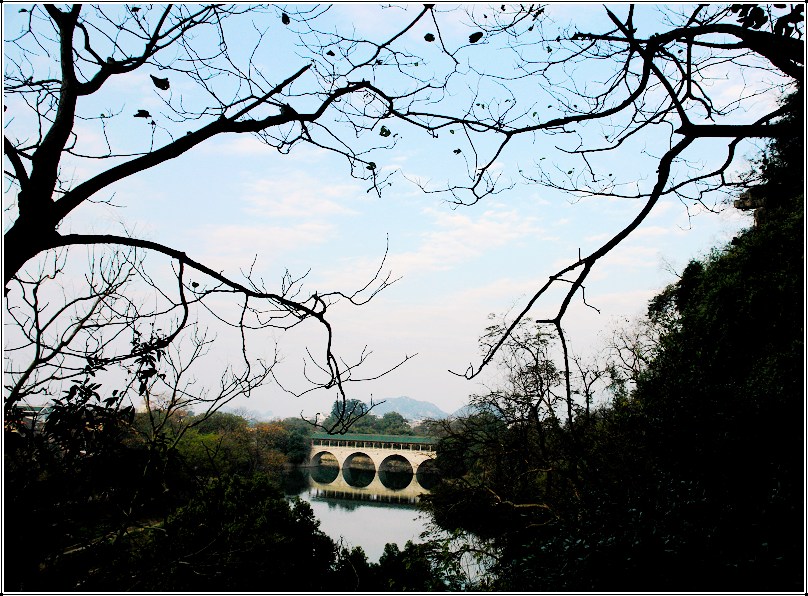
357,440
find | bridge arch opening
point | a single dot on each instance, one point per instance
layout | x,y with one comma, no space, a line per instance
359,470
427,474
324,467
395,472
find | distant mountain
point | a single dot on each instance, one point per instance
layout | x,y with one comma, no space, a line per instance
411,409
465,411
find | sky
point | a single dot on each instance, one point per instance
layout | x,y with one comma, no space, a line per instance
233,199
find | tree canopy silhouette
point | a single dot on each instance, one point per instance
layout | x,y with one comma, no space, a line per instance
635,77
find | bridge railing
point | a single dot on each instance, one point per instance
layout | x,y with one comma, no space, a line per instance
372,445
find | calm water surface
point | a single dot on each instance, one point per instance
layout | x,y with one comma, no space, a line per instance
369,520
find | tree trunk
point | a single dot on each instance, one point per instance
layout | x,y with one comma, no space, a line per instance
22,242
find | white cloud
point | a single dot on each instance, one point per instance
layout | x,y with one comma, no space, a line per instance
599,238
625,257
232,247
662,210
445,241
248,145
238,145
276,217
298,195
458,237
656,231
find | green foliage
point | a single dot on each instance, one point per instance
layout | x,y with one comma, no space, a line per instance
780,165
82,424
391,423
239,533
218,422
293,441
278,441
352,570
351,407
90,483
417,568
212,454
718,409
428,428
68,481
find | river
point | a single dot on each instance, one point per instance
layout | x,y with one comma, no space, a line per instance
369,517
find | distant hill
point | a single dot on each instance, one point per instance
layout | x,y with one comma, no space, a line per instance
466,410
411,409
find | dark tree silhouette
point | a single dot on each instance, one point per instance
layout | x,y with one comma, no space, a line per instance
651,80
90,46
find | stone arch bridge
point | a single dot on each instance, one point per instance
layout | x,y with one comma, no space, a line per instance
355,464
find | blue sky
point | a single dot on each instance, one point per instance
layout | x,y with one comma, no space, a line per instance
233,199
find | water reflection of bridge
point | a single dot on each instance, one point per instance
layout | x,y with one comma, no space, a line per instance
386,468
